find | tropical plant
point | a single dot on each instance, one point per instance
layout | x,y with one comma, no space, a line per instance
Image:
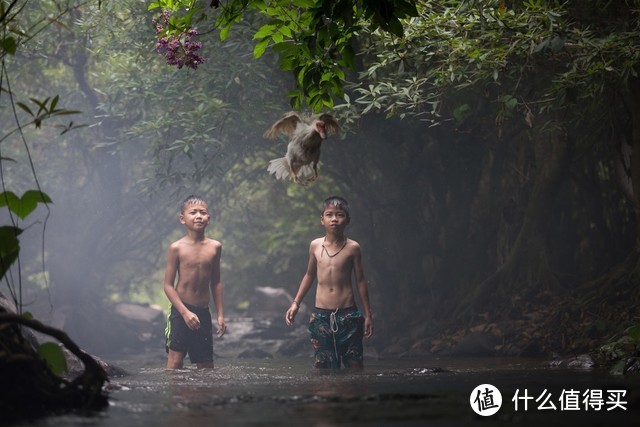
313,38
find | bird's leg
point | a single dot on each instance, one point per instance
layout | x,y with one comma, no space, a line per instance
315,173
300,181
294,175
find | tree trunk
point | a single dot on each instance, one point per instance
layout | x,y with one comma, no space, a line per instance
526,270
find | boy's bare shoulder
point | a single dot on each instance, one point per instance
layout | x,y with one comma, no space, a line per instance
353,243
353,246
215,243
177,243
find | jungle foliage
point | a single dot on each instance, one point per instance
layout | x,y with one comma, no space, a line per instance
32,372
312,38
489,158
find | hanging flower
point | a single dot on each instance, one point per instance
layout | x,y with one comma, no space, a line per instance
178,49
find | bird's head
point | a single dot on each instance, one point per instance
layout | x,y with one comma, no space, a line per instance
320,129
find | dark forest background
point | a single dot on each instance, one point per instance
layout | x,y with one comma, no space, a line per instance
489,156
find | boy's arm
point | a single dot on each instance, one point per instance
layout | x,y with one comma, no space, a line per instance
363,291
190,318
216,293
305,285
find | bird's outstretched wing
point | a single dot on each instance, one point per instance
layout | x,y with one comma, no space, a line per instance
330,124
286,125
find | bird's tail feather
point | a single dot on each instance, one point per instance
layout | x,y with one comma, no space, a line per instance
280,168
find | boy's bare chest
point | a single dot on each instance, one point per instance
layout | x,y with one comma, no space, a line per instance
197,260
327,261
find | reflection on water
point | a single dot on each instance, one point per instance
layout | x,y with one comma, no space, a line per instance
402,392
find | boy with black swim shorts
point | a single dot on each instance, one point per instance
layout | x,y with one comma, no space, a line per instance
336,326
195,259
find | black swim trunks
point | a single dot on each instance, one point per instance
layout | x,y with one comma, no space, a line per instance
336,336
197,344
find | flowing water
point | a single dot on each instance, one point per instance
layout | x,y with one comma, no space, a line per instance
387,392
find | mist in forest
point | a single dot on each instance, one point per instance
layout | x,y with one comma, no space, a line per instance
476,237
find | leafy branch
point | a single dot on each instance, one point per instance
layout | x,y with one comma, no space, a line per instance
312,38
42,110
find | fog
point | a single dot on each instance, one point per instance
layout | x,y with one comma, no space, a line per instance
460,229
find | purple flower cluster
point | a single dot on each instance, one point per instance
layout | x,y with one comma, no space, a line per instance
178,49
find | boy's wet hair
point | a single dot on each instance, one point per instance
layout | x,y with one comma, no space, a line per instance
336,202
190,200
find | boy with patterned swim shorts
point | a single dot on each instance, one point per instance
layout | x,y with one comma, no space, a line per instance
336,326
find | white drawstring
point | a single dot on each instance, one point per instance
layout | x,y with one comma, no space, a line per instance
333,324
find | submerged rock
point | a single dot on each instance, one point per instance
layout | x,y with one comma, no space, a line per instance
583,361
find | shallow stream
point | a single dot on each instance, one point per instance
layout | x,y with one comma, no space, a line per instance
387,392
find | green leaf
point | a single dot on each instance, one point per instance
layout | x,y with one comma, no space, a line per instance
394,26
260,48
53,356
634,333
304,4
26,108
405,8
9,45
23,206
224,32
461,112
54,102
265,31
9,247
348,57
285,31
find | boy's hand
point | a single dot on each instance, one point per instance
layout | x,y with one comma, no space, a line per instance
222,327
290,316
192,320
368,327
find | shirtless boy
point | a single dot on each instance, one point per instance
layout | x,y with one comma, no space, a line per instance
336,325
195,259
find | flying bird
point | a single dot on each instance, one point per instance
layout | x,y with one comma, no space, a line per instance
305,135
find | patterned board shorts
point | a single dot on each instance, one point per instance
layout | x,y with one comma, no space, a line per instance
344,345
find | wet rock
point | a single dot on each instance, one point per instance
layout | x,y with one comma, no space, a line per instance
269,329
583,361
633,366
296,347
139,312
75,367
271,303
143,322
425,371
112,329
